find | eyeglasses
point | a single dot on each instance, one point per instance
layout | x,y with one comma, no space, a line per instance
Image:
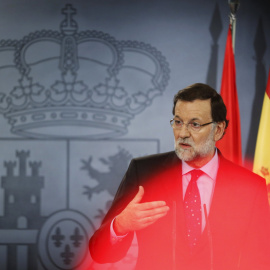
191,126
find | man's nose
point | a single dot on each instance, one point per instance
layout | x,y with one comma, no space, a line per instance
183,132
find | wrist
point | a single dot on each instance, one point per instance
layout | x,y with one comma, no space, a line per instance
118,228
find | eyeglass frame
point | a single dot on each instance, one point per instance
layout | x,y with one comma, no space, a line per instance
187,125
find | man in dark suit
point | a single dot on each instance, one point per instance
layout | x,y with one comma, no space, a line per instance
190,209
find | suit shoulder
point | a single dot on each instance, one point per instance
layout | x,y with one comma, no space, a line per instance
157,162
160,157
241,173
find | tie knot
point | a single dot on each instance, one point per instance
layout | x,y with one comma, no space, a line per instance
195,174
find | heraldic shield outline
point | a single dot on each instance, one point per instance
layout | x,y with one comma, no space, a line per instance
55,195
70,97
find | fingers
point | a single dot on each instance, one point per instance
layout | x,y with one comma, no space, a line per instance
153,218
156,210
138,197
148,221
152,205
145,206
154,214
138,215
148,209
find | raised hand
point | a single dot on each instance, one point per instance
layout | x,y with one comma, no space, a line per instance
137,216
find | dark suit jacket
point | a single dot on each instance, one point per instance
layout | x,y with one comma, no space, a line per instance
237,235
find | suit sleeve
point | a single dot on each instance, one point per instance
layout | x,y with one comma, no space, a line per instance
100,246
255,251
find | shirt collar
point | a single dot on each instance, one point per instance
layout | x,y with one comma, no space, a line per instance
209,168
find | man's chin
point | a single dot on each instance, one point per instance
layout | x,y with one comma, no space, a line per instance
185,155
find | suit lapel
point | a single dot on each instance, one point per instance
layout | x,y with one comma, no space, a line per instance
222,192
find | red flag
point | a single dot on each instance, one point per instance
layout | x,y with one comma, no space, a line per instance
230,144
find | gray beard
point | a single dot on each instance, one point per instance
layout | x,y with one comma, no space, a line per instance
198,151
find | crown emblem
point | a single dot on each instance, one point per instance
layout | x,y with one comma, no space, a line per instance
72,84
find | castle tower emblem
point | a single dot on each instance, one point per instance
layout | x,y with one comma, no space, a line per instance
17,212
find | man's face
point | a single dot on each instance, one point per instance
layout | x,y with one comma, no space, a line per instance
196,148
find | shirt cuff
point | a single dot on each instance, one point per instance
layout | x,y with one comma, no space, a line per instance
115,238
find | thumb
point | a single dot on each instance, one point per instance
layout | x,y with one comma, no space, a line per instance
138,197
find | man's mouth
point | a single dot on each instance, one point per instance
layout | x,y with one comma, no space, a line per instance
185,145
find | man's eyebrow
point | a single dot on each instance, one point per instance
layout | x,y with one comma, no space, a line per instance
193,119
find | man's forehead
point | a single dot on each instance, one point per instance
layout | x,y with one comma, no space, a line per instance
197,108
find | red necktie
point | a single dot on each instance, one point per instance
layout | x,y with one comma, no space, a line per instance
192,208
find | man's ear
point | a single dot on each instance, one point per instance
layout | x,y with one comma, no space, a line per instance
220,129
